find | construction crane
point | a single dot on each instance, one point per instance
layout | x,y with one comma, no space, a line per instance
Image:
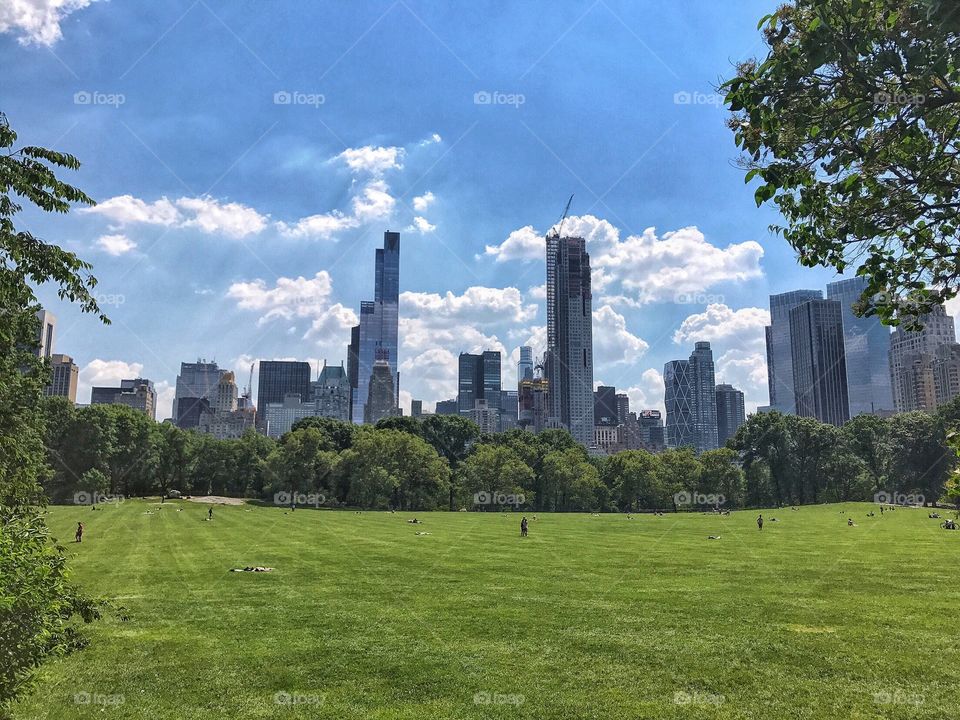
556,233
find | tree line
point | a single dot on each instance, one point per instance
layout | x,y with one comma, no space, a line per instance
444,462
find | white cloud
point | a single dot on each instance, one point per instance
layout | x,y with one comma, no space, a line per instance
422,202
332,324
116,245
289,298
747,371
648,395
612,342
126,209
719,322
478,305
206,213
232,219
323,226
37,21
538,292
523,244
423,226
374,160
165,394
436,372
651,269
374,202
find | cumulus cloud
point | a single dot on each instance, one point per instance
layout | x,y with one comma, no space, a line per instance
206,213
648,394
323,226
523,244
422,202
332,324
289,298
721,323
373,160
105,373
436,372
115,245
612,341
37,22
477,305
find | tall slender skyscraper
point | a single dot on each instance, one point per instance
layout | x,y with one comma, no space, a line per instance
730,412
45,334
605,406
569,358
691,400
376,337
196,381
479,378
818,361
779,354
677,391
525,366
866,347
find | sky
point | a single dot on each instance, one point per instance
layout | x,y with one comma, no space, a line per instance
247,156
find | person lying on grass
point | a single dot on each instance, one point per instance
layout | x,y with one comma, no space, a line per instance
251,568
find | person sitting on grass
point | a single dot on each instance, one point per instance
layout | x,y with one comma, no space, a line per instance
949,525
414,522
851,523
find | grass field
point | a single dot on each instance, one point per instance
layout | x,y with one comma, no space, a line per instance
589,617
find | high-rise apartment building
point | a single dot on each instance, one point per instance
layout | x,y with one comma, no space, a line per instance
64,377
569,357
779,353
652,438
866,347
416,408
195,381
912,354
375,339
525,366
946,373
731,413
381,397
818,361
623,408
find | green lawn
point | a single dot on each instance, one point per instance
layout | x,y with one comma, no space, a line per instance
589,617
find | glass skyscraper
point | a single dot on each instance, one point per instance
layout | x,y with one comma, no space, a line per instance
691,400
525,366
818,361
866,345
479,378
730,413
779,355
376,337
677,389
569,359
279,378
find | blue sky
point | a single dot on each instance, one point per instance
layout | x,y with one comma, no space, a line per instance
247,157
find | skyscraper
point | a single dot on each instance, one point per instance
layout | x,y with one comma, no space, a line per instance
691,401
818,361
196,380
678,389
64,378
912,354
45,333
866,347
137,393
509,409
525,366
605,406
779,354
703,397
277,380
946,373
331,392
730,412
376,337
569,358
416,408
381,397
623,408
651,430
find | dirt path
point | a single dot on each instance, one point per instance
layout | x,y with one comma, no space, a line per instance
216,500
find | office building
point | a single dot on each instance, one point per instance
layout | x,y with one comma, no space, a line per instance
525,366
652,431
509,409
478,379
691,401
381,397
534,404
196,380
447,407
277,418
63,378
779,352
818,361
605,406
137,393
623,408
331,392
866,348
677,397
375,339
731,413
946,373
569,357
221,416
912,354
416,408
488,418
279,378
609,439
